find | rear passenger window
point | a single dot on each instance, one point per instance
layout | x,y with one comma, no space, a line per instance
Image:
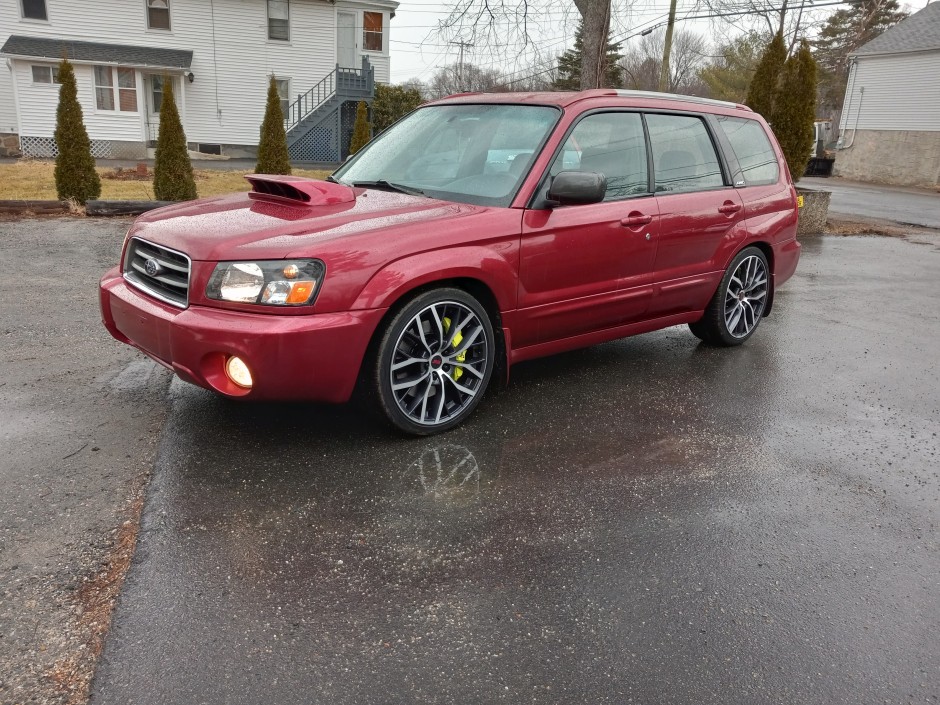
753,150
684,157
611,144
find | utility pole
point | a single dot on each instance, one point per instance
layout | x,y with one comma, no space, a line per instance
667,48
462,45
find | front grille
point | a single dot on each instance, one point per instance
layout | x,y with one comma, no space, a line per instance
168,275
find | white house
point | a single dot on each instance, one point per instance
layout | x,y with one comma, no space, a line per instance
219,54
890,127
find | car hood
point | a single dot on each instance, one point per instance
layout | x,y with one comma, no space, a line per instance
239,227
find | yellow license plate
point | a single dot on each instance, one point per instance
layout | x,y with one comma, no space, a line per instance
799,201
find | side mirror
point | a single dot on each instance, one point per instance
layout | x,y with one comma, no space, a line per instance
571,188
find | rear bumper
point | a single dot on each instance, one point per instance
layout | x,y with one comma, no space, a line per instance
786,257
311,357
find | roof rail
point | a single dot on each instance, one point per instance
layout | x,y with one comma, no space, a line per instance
677,97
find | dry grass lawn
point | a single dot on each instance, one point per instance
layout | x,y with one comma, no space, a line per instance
31,179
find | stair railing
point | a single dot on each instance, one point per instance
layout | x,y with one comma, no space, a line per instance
340,80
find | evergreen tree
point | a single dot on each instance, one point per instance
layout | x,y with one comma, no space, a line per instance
392,103
273,157
795,110
569,65
172,172
729,75
75,175
360,136
845,31
765,85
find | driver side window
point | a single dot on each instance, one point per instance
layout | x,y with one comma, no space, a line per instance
612,144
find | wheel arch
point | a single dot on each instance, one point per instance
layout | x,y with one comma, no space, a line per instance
476,287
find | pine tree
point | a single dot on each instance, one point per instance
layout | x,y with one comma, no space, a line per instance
569,65
360,136
765,85
273,157
795,110
75,175
845,31
172,172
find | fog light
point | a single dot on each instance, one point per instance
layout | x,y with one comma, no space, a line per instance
238,372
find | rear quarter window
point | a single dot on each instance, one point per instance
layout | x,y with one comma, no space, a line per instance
751,146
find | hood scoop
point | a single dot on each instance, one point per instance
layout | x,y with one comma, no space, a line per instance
298,190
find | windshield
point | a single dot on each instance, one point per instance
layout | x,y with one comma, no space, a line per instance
467,153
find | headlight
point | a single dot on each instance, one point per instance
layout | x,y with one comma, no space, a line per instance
272,283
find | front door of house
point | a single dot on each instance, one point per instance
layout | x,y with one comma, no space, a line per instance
346,39
154,84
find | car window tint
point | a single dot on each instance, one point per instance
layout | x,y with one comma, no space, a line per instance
684,157
611,144
753,150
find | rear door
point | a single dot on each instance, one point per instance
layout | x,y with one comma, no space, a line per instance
588,267
701,213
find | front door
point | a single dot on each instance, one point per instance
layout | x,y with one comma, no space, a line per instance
589,267
346,40
154,85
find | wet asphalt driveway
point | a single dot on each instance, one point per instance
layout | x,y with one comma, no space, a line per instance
648,521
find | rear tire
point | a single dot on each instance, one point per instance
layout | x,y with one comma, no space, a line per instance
434,362
735,310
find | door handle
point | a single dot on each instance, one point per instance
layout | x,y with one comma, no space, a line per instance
728,208
635,220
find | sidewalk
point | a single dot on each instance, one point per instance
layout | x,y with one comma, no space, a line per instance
898,204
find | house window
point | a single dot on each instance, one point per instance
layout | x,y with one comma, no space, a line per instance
283,92
45,74
34,10
279,20
122,93
158,14
372,31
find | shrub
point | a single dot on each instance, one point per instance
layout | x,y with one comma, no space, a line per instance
391,104
360,136
795,110
765,85
75,175
172,172
273,157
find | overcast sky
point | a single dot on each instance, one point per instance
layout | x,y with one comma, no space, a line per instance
417,51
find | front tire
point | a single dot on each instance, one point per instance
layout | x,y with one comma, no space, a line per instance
434,362
735,311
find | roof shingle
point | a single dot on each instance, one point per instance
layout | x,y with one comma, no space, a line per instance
919,32
50,48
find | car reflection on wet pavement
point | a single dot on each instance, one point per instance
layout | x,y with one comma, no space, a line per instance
647,521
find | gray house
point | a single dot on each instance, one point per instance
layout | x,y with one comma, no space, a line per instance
890,128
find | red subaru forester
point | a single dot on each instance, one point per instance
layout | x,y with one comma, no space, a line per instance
479,231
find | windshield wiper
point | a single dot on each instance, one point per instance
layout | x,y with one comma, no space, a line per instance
388,185
331,179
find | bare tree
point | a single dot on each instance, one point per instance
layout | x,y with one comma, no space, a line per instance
451,79
510,28
642,62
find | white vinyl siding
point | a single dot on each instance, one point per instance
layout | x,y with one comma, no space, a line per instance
37,105
237,71
901,92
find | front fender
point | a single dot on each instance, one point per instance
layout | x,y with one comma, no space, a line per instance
495,265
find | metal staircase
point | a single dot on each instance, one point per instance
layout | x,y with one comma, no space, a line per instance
319,123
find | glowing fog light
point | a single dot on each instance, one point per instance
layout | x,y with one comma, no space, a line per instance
238,372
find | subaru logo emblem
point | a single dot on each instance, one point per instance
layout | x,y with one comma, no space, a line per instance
152,267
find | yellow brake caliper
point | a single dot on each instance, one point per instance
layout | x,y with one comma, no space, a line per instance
457,372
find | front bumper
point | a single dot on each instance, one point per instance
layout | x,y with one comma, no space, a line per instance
312,357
